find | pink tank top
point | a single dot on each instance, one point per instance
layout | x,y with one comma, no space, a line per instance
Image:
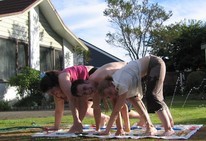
77,72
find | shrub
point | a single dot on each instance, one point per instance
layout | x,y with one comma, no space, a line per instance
194,79
27,84
4,106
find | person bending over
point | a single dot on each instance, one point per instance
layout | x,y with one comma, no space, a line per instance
58,84
125,84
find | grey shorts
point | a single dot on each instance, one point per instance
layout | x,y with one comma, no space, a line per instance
155,79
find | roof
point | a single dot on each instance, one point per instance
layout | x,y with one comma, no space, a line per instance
98,56
11,7
15,7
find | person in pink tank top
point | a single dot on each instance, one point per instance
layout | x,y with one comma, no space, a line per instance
58,84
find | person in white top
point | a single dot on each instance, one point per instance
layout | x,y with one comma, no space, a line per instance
125,84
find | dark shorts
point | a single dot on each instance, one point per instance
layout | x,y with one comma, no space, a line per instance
92,71
154,82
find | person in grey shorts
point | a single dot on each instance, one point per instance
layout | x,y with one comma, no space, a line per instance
154,93
154,81
125,84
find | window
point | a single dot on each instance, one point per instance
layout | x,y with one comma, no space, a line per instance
22,55
50,59
58,60
13,57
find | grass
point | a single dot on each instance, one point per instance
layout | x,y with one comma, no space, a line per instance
192,113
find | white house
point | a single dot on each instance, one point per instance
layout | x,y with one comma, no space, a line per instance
33,34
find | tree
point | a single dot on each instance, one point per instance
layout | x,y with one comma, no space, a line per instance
163,43
133,24
180,44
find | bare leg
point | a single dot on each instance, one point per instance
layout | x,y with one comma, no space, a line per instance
104,120
139,106
134,114
164,118
89,112
170,116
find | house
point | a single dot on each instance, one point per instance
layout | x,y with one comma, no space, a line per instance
99,57
33,34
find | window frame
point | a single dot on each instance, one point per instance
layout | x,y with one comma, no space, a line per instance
50,56
11,57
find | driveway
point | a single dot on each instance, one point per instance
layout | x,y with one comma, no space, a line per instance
27,114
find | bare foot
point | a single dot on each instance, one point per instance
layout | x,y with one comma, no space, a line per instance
152,131
169,133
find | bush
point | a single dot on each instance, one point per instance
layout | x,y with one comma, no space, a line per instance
4,106
27,84
194,79
28,101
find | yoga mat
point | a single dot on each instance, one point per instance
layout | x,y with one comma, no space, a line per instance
181,132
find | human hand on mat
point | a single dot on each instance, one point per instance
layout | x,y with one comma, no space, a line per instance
76,128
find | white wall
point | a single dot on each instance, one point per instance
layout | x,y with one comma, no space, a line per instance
10,94
34,39
68,55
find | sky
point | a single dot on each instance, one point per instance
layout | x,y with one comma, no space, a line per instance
86,20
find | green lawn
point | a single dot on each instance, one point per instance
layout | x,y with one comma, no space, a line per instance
193,112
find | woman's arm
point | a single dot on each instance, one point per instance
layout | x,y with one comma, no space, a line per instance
65,85
125,117
120,130
59,109
83,106
97,110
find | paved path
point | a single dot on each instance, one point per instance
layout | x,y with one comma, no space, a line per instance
26,114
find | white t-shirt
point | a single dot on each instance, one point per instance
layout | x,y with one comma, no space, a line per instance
128,79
